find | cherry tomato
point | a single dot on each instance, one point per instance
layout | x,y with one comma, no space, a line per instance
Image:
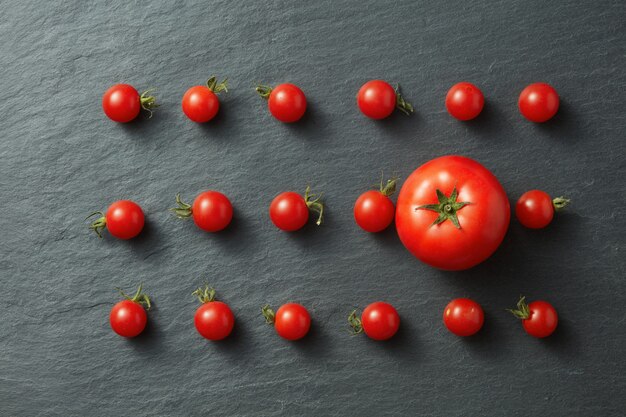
535,209
464,101
214,320
539,318
289,211
292,321
122,103
538,102
377,99
211,211
124,219
286,102
379,321
452,213
200,103
128,318
374,210
463,317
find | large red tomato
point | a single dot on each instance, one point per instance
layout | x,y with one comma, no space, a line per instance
452,213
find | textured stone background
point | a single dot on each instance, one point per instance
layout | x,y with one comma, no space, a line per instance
61,159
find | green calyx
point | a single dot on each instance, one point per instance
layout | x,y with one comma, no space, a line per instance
216,87
268,313
183,211
148,101
100,223
401,104
560,203
522,312
205,295
355,323
264,91
313,203
390,187
447,208
139,297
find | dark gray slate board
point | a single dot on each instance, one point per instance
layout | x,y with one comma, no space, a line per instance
61,159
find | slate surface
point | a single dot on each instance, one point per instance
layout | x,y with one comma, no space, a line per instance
61,159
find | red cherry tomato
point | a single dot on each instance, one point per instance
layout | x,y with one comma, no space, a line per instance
214,320
289,211
452,213
374,210
200,103
292,321
539,102
539,318
535,209
464,101
211,211
377,99
128,318
286,102
463,317
122,103
379,321
124,219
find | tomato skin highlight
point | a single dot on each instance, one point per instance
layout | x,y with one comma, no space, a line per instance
483,222
538,102
292,321
380,321
376,99
121,103
543,319
128,318
214,320
289,212
463,317
212,211
464,101
374,211
124,219
287,103
535,209
200,104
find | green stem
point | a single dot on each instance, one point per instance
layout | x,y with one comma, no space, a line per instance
401,104
264,91
184,210
389,188
522,312
139,297
560,203
446,208
205,295
148,101
355,323
268,313
313,203
100,223
216,87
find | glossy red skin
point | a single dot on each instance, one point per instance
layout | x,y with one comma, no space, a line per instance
542,321
214,320
376,99
464,101
539,102
128,318
292,321
200,104
289,211
212,211
463,317
287,103
124,219
380,321
483,223
374,211
534,209
121,103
